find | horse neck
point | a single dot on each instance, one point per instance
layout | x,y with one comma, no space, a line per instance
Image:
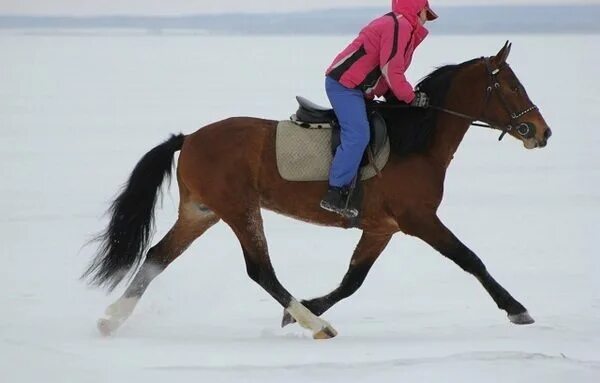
450,129
449,134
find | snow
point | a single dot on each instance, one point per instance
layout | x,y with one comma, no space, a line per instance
78,112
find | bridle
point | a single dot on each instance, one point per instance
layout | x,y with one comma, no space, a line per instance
524,129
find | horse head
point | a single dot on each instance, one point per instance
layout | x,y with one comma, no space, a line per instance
506,105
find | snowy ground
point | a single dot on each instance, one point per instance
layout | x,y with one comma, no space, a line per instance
77,112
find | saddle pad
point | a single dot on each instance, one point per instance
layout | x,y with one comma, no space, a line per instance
305,154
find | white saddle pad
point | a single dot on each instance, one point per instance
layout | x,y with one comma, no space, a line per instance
304,154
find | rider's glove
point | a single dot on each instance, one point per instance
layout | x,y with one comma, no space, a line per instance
421,100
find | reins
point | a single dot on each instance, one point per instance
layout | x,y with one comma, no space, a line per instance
483,124
524,129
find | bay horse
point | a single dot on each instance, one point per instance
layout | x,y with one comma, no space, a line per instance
227,171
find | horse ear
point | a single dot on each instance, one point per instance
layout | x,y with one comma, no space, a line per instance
508,48
502,55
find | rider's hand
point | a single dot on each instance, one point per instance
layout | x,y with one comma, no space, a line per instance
421,100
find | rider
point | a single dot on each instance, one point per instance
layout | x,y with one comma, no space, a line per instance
373,64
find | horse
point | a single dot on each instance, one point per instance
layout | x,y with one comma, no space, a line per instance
227,171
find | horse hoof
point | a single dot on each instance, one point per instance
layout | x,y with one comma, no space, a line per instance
106,326
326,332
287,319
521,319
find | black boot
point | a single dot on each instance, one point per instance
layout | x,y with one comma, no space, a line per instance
336,201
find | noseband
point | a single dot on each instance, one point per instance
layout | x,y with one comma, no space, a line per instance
524,129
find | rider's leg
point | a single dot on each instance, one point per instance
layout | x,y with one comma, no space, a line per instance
351,112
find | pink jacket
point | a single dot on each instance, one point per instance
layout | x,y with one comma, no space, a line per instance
366,62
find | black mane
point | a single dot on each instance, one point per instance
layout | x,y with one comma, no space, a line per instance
410,129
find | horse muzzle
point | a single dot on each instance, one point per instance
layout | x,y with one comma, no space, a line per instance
528,133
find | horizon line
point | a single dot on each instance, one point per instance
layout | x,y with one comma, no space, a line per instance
291,12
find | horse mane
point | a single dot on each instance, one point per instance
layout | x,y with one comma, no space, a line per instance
410,129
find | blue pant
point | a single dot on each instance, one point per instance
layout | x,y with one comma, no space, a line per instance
350,108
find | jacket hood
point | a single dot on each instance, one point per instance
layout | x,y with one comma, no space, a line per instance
409,9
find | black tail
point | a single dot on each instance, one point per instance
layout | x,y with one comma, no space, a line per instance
126,238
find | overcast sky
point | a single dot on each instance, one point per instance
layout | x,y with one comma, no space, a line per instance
170,7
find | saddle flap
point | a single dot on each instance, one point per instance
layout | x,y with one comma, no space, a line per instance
379,135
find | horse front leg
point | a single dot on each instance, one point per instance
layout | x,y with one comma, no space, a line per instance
431,230
366,253
248,227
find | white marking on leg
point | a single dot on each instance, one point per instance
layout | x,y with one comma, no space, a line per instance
307,319
116,314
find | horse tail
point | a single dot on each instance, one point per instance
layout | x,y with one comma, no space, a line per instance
125,240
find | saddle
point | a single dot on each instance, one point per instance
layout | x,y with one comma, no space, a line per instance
311,115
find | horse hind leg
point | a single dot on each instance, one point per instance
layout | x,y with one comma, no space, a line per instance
194,219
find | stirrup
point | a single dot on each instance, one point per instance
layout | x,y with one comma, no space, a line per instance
344,212
349,212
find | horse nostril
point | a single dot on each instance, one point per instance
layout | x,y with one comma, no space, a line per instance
548,133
